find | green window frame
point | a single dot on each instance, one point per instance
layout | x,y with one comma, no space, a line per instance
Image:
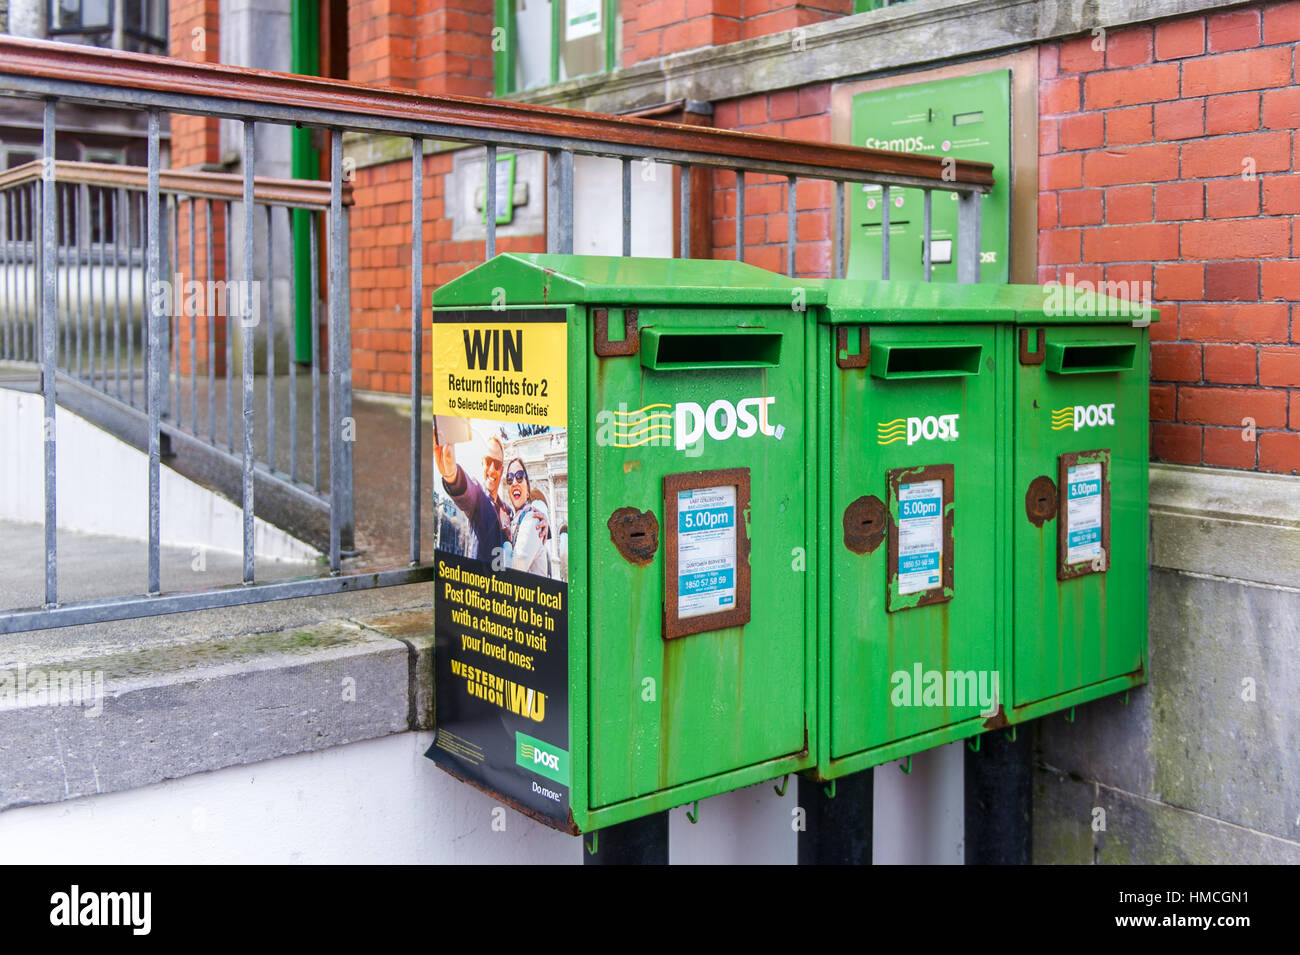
506,59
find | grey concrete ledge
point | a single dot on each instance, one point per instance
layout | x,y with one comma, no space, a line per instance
1240,525
82,725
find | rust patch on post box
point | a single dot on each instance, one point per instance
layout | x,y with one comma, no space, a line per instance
635,534
865,524
998,720
1040,500
631,334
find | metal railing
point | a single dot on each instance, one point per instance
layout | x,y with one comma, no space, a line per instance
100,249
157,85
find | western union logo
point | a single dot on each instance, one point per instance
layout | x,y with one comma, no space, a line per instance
1063,418
887,432
651,424
542,758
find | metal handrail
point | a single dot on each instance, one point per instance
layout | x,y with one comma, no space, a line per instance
229,91
295,193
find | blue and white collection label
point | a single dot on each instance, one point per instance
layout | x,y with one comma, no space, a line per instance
706,550
1083,513
920,536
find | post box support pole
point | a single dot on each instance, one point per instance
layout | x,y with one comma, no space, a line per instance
999,799
837,829
641,841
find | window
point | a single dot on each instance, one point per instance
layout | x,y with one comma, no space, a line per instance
136,25
546,41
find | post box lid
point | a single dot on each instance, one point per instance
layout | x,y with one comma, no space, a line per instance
862,302
536,279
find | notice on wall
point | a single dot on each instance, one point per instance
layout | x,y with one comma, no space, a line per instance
920,536
706,550
1083,513
501,662
581,19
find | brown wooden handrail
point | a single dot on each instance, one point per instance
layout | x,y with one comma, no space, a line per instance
231,86
298,193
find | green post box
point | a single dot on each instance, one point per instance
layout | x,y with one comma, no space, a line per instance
633,627
910,390
962,592
1078,513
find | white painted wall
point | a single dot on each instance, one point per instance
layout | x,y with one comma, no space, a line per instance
598,207
381,801
103,488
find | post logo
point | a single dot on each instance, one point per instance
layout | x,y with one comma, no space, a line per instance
542,758
935,427
1075,417
686,422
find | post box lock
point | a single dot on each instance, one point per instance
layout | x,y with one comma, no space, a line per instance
865,524
616,349
1036,354
843,360
1040,500
635,534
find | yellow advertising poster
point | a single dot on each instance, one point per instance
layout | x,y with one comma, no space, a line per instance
506,366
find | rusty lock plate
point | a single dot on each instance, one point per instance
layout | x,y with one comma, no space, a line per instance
635,534
1040,500
865,524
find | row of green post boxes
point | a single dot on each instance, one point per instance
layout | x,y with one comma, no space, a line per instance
789,525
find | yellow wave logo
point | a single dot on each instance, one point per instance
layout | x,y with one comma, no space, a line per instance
1063,418
887,432
526,750
632,429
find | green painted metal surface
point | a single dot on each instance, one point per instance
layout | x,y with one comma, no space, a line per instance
967,118
717,384
1081,631
897,675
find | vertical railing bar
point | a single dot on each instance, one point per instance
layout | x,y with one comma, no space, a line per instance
792,187
968,236
336,319
153,344
313,241
246,333
270,339
840,239
173,319
291,227
90,290
684,236
627,205
489,200
194,326
230,335
49,332
559,202
925,237
142,219
103,299
6,227
64,265
29,319
211,319
740,215
117,296
417,313
884,233
103,294
85,308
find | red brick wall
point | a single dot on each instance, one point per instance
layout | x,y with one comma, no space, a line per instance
381,267
800,114
441,47
653,28
1170,156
